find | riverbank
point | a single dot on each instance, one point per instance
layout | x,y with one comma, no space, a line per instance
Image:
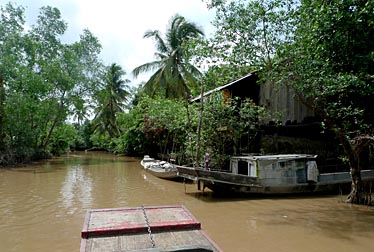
11,158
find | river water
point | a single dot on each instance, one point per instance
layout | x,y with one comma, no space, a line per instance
43,205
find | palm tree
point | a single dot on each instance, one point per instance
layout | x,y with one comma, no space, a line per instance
173,73
111,100
80,111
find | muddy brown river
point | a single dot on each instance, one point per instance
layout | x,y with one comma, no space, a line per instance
42,208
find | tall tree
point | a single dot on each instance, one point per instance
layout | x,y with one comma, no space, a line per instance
2,104
330,65
11,27
173,75
111,99
41,75
66,69
249,32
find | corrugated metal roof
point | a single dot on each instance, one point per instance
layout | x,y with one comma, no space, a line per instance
221,87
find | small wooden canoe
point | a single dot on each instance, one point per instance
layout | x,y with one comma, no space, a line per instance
140,229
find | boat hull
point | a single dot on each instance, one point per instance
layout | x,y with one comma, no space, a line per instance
224,182
159,169
161,173
224,188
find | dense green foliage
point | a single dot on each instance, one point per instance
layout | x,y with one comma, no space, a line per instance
161,127
228,129
330,65
42,79
248,33
154,126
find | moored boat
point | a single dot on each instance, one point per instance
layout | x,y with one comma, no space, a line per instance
160,169
272,174
140,229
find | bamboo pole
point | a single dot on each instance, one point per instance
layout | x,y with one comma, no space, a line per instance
199,126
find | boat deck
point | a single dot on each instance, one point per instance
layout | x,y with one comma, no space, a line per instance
173,228
197,174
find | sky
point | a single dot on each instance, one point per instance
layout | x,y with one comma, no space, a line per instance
120,24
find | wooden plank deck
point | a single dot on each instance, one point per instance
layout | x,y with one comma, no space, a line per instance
140,242
131,220
173,228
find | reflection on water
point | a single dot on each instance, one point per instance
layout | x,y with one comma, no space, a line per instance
42,208
76,189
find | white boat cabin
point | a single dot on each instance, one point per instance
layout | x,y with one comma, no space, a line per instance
277,169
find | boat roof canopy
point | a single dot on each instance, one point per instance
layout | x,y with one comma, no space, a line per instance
276,157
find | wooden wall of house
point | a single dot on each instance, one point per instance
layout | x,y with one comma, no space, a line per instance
282,103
